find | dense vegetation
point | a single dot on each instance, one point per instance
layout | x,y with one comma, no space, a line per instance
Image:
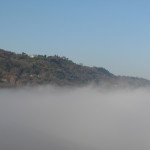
22,69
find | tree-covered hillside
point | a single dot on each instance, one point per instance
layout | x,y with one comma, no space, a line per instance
22,69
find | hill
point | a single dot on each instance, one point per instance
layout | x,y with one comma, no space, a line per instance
22,69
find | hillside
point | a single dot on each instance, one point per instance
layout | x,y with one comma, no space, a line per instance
22,69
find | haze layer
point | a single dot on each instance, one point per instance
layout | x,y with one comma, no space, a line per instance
84,118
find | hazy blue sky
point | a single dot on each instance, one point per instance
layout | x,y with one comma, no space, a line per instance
114,34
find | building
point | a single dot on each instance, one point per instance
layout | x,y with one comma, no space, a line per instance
31,56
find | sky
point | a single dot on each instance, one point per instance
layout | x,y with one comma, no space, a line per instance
113,34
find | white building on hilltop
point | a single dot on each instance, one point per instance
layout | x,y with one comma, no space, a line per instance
31,56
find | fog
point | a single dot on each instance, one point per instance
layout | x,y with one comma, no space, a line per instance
84,118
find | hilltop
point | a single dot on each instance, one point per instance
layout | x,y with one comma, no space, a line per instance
22,69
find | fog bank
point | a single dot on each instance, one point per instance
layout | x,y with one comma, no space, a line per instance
86,118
